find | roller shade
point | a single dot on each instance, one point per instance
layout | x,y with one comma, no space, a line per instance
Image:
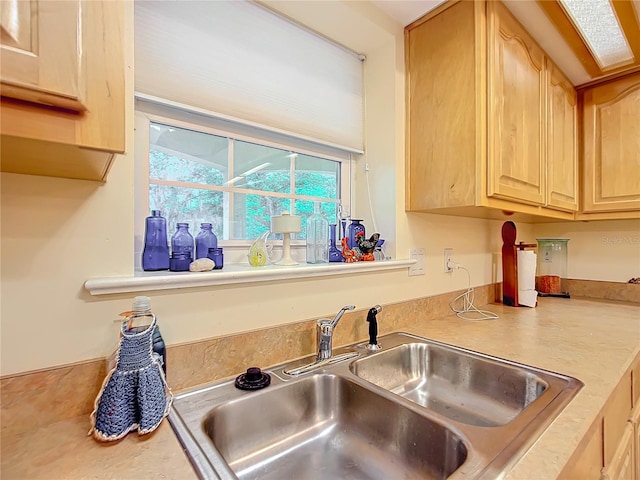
237,59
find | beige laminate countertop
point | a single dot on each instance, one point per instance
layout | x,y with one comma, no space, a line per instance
594,341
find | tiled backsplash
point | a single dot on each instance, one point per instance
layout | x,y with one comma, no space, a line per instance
34,399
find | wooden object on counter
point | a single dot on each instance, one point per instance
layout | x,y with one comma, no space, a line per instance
510,263
62,112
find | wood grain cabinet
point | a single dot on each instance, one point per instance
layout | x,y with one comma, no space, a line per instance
516,120
62,80
562,141
611,149
611,449
622,465
482,100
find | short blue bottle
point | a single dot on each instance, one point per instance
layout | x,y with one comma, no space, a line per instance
205,240
182,242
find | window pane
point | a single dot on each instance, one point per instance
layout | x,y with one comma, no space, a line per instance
304,208
258,167
252,214
187,156
317,177
191,205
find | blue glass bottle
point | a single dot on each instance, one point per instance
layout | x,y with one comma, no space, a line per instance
335,254
353,231
217,255
182,241
205,240
179,262
155,255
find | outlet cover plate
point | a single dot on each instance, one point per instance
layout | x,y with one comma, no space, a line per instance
417,268
448,255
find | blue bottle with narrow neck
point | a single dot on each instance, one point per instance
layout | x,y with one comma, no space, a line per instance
155,255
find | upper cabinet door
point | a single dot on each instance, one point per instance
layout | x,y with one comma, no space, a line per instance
41,52
516,120
611,136
562,141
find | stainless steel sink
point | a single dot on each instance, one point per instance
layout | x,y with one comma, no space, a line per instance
466,387
327,426
415,409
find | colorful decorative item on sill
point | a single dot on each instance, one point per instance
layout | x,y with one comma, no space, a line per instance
349,255
364,251
260,252
367,247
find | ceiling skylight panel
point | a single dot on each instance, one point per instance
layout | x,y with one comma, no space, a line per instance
600,29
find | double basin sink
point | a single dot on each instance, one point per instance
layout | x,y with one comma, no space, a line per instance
416,409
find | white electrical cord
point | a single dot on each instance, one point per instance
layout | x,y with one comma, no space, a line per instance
467,301
373,218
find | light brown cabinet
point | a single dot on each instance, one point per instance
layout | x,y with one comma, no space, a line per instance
622,466
611,149
478,91
62,80
611,450
41,53
516,93
635,420
562,141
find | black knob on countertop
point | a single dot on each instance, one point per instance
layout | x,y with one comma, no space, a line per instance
253,379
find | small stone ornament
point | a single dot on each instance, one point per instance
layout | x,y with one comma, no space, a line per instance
202,265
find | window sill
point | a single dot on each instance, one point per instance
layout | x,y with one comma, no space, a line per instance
232,274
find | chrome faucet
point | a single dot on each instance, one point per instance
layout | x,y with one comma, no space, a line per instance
324,330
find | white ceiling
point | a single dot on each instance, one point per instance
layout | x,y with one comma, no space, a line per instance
406,11
528,14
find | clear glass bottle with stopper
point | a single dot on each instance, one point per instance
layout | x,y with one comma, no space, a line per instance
317,236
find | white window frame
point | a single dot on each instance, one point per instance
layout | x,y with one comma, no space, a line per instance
235,250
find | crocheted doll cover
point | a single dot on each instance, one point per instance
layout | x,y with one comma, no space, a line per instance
134,394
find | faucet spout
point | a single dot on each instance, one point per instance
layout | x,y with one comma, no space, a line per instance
324,330
338,316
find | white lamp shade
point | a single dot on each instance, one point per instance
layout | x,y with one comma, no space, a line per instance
286,223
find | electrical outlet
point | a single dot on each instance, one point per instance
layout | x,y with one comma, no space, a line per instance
448,255
417,268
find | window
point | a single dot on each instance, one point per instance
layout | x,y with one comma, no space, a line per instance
197,172
242,114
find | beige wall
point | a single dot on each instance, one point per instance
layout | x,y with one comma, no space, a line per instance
58,233
605,251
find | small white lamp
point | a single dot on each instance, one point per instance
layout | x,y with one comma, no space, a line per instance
286,224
